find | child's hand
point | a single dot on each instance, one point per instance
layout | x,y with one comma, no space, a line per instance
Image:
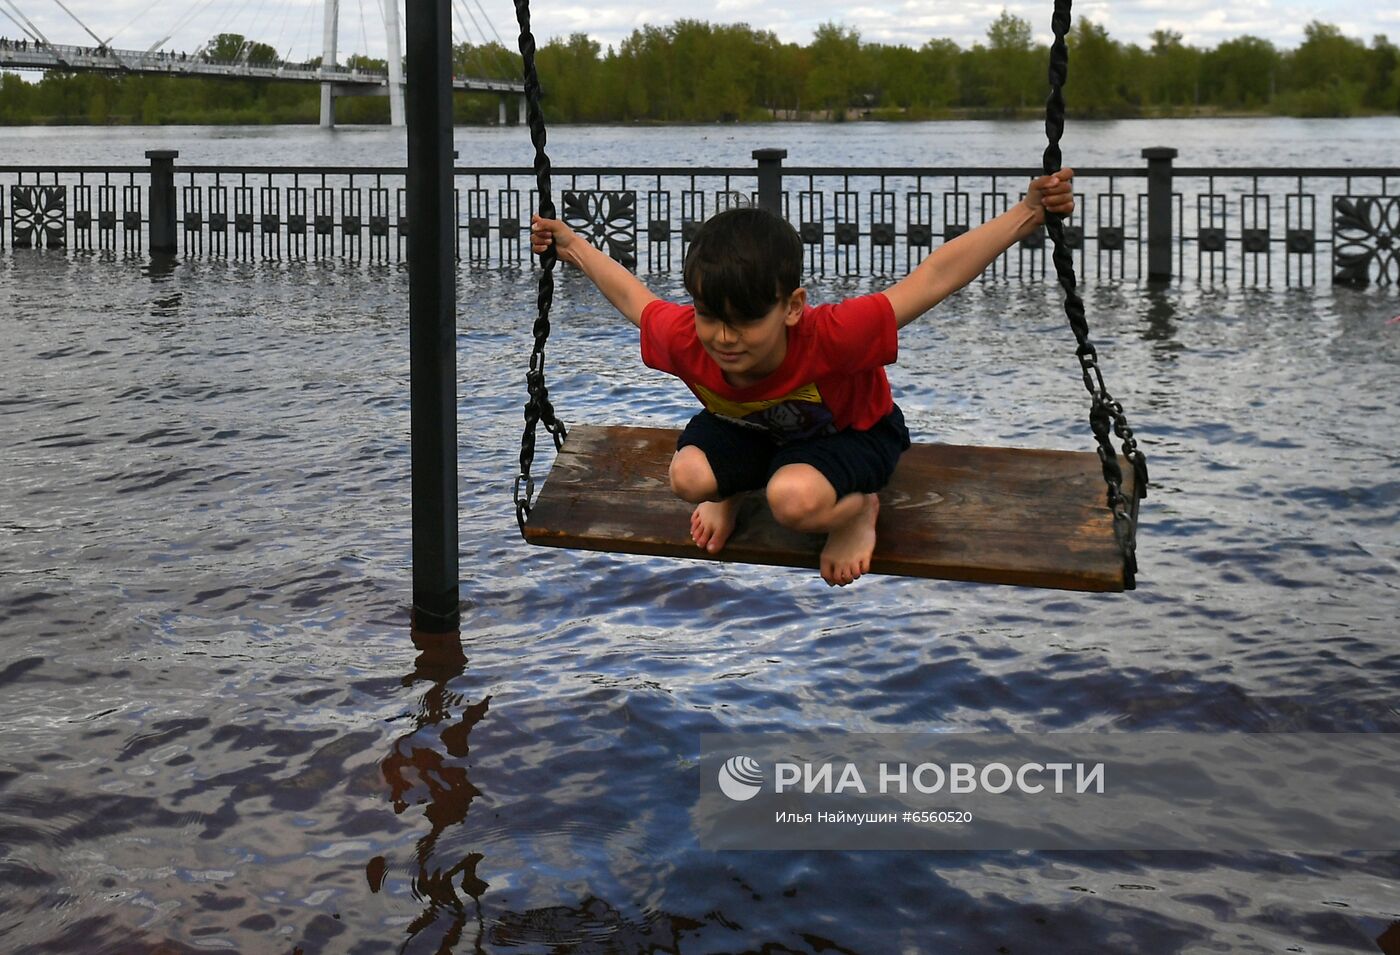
547,232
1052,194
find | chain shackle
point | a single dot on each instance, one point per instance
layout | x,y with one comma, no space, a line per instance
538,408
1106,417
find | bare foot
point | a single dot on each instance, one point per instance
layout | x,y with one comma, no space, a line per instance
713,522
848,548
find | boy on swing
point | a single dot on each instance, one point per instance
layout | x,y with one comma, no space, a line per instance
795,396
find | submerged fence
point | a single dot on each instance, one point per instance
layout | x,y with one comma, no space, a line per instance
1157,221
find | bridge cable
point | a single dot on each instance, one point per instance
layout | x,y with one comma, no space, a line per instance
466,34
282,33
33,31
482,11
189,17
64,7
505,67
219,29
22,28
249,42
245,52
301,31
180,22
150,6
364,35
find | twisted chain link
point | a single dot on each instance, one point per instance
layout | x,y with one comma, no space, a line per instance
538,409
1105,413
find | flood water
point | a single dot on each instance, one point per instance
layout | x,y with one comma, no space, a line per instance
216,732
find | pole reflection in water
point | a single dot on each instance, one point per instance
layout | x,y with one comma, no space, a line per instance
427,767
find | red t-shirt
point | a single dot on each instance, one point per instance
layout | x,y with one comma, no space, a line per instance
832,378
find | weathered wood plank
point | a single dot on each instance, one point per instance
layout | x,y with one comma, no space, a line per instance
994,515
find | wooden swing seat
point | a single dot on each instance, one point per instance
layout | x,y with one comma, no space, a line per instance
1025,517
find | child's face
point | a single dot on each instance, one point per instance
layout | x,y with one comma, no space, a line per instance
750,350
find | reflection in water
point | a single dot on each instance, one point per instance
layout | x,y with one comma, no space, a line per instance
428,769
1161,326
159,267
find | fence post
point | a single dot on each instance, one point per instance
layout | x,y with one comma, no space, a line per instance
161,199
1159,212
770,179
432,318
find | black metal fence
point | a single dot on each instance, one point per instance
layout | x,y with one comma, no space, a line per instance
1252,226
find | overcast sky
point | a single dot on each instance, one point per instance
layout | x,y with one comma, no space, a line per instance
294,26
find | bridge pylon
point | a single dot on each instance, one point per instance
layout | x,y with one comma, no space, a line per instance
391,38
331,27
330,91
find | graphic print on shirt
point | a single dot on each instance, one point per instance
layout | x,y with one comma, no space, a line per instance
797,415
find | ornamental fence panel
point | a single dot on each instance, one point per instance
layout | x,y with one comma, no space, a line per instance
1240,226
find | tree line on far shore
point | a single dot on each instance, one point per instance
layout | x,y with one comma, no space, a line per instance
694,71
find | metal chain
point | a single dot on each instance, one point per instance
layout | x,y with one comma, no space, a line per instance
1104,411
538,408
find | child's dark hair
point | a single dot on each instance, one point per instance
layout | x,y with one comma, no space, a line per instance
742,263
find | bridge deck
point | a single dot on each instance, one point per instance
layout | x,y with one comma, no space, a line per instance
89,60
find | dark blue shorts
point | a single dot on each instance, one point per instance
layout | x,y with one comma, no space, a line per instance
744,459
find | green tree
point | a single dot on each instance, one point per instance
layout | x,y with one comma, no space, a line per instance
687,44
1383,75
1172,71
1012,65
260,54
975,71
358,61
568,77
897,76
939,70
1240,73
236,48
692,70
728,82
649,82
15,100
97,108
1326,75
488,61
769,83
836,77
225,47
1327,57
1096,71
788,79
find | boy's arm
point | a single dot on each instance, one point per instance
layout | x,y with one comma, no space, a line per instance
955,263
628,295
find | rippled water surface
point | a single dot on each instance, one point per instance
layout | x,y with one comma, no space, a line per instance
1264,141
216,733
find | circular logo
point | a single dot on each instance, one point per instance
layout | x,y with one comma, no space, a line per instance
740,778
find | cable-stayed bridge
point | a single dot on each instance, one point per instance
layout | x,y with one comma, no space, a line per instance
35,51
